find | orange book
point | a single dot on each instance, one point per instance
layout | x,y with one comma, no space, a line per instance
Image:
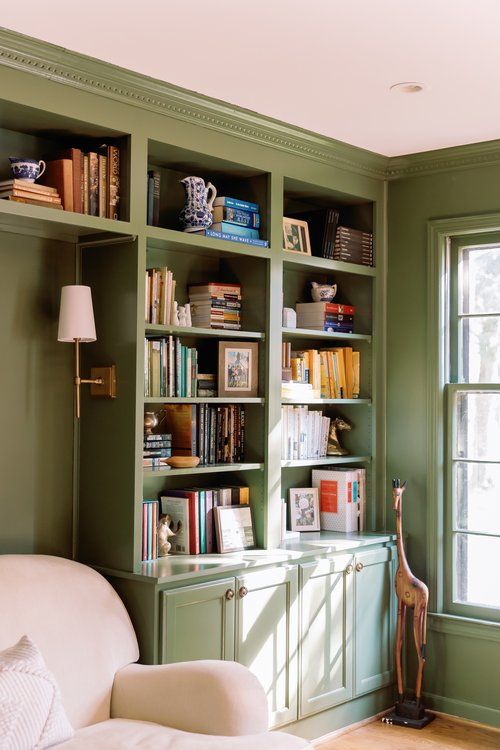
59,175
348,372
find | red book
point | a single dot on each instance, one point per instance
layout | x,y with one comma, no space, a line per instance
144,531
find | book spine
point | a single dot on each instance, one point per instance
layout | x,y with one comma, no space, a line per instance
235,229
93,184
86,209
156,199
144,531
149,217
236,238
114,182
203,522
236,203
103,182
235,216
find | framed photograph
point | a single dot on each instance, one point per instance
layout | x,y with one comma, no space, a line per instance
296,236
304,509
234,528
238,368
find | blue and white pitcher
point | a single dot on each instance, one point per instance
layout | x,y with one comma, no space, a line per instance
197,212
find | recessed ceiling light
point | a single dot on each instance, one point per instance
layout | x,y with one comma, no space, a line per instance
407,87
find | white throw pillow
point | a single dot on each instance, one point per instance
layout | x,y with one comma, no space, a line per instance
31,713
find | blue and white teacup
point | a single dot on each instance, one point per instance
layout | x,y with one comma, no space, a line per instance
28,170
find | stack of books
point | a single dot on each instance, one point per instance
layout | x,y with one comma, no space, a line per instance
206,385
323,373
170,368
159,296
215,305
304,433
21,191
353,246
149,530
88,183
194,508
325,316
216,434
236,220
157,448
341,498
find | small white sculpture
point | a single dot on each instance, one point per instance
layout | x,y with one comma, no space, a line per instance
187,308
182,316
165,532
176,314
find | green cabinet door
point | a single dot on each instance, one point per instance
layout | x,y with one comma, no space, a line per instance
373,585
267,636
326,634
198,622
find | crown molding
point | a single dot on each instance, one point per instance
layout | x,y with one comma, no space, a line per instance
64,66
482,154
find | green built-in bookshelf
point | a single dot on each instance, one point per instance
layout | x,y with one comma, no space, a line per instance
113,256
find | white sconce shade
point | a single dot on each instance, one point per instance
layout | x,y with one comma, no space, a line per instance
76,315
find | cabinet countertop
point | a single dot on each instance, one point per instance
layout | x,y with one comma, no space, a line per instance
184,569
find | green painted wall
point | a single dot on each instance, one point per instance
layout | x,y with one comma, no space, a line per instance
460,673
36,397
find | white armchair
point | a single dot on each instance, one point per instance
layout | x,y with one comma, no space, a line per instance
87,640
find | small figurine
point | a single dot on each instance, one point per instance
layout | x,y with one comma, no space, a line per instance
182,316
176,314
334,448
323,292
187,308
165,533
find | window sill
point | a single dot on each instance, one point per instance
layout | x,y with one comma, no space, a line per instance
466,627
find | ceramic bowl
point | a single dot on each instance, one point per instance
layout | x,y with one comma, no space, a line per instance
183,462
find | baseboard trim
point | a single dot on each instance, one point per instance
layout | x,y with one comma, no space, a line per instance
463,710
346,730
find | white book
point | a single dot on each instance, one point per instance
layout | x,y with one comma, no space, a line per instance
338,498
178,509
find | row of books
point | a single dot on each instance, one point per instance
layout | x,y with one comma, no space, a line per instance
192,517
149,530
236,220
329,373
215,305
156,449
341,498
216,434
353,246
170,368
159,296
325,316
88,183
304,433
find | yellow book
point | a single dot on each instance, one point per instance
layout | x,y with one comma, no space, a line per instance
355,374
324,385
339,354
348,371
332,379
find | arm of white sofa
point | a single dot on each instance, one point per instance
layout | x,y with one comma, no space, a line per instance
208,697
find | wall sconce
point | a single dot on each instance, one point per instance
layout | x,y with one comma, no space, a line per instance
76,325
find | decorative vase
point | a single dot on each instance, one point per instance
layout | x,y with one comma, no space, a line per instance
27,170
323,292
197,212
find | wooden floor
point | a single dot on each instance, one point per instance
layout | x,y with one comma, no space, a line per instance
441,734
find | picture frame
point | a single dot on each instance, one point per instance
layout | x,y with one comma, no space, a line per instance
238,368
304,509
296,236
234,528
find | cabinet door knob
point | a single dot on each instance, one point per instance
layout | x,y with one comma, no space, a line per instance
243,592
349,569
359,567
229,594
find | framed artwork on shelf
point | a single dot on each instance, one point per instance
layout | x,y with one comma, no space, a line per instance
304,509
234,528
238,368
296,236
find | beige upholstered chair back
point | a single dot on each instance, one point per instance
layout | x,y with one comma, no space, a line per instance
78,622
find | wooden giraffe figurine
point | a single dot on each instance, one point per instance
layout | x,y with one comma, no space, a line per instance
411,594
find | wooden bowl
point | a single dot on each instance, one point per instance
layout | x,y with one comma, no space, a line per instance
183,462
